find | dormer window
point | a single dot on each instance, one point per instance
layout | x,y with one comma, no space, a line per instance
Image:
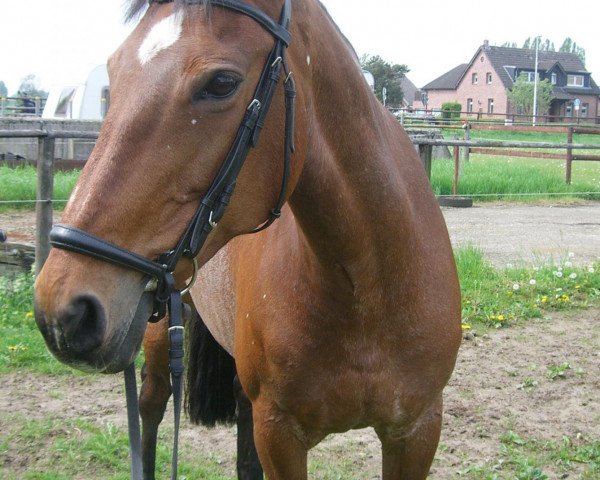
575,80
554,79
530,76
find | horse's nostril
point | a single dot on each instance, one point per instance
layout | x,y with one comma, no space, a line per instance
83,324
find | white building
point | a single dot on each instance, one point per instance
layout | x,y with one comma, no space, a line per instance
88,100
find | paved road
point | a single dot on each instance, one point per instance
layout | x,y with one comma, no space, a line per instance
528,233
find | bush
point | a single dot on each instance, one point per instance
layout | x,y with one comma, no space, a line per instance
451,110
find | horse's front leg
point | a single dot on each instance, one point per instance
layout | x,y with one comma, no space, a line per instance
282,453
248,464
155,391
409,456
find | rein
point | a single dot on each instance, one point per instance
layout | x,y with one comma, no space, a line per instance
210,211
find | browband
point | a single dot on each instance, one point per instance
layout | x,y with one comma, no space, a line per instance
279,31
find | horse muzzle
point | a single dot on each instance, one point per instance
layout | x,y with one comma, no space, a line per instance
80,336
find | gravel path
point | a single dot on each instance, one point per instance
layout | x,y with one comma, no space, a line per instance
528,233
506,233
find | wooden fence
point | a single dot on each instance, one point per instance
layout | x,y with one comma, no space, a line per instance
420,117
47,137
22,106
485,147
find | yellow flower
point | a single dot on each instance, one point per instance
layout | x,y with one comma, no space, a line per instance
544,299
464,326
577,287
12,348
29,315
500,317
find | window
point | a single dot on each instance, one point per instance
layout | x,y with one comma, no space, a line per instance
569,110
488,78
490,106
105,101
474,79
575,80
554,79
584,109
530,76
469,105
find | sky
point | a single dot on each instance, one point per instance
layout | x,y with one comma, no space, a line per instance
61,41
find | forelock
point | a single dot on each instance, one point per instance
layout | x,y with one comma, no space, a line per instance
134,8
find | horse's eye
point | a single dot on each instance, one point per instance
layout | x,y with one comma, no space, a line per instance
222,85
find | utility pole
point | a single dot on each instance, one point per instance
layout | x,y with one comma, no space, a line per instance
535,80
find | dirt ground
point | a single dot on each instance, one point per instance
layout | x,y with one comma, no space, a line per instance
485,398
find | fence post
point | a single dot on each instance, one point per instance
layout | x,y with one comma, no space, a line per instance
425,152
456,171
569,155
43,208
465,150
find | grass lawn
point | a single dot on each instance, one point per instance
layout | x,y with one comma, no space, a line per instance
491,177
18,185
487,177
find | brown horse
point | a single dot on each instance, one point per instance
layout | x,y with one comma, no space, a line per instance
346,312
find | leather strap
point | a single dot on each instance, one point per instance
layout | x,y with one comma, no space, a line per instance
70,238
279,31
133,421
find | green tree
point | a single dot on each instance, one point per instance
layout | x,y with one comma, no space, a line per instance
545,44
522,93
386,75
30,87
570,46
3,89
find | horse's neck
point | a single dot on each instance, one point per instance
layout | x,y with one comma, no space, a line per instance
351,200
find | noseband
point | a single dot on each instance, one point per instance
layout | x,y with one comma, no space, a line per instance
215,201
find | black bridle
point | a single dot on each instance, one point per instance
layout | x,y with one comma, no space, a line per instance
213,204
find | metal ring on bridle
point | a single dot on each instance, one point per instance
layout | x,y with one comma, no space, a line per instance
193,279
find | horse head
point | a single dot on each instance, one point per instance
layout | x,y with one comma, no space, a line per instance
183,84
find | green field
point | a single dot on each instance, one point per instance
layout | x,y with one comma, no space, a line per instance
491,177
18,187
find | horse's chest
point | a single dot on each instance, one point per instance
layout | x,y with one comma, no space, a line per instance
214,299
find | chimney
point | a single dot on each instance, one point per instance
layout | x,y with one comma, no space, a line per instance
486,44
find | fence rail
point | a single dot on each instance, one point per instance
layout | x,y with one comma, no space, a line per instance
421,116
46,160
22,106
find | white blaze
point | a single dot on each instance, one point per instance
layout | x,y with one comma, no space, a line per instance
164,34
